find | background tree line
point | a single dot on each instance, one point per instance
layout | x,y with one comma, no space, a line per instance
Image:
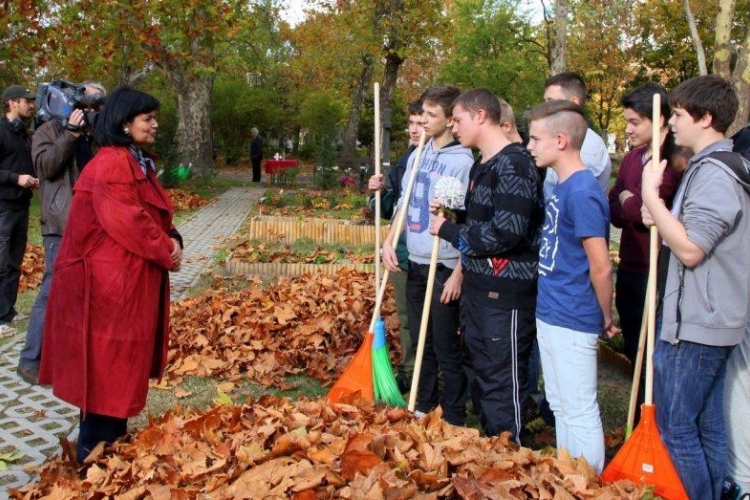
222,66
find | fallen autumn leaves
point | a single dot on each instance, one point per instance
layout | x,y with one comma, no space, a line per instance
310,324
276,448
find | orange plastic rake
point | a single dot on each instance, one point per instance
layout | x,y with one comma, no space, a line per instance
643,458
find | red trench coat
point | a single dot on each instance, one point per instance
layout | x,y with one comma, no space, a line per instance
107,325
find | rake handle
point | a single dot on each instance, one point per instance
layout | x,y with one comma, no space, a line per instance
424,321
652,257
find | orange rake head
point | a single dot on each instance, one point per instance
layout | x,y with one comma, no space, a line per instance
645,460
357,376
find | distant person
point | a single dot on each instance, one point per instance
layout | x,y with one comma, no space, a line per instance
706,305
574,302
391,192
16,183
444,352
256,152
107,326
59,153
499,243
570,86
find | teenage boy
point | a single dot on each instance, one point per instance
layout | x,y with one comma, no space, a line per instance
570,86
574,302
391,194
706,296
443,352
499,244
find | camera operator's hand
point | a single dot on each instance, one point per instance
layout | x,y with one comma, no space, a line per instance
28,181
76,122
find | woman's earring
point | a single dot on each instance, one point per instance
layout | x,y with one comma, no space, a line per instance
126,130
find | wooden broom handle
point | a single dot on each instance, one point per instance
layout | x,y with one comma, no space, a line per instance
400,218
377,193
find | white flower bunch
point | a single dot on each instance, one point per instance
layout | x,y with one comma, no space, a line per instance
450,192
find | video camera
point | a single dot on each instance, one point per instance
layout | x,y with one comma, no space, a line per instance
59,98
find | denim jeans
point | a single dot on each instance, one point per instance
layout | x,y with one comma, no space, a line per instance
14,227
444,350
569,364
32,350
688,393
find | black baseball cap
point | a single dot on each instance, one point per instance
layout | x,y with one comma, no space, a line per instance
17,92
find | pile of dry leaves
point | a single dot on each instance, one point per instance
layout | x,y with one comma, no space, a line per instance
310,324
32,268
184,200
306,450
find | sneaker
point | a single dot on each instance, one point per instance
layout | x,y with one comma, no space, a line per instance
6,330
28,375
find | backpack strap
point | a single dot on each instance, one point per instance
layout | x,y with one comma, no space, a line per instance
734,163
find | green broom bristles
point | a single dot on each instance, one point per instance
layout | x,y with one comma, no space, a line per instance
384,383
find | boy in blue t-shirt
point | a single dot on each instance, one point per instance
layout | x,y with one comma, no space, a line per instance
574,302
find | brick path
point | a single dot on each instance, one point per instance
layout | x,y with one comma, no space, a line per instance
31,418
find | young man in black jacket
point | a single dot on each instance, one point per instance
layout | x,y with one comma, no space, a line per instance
16,182
499,244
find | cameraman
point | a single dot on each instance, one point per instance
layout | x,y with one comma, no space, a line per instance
59,154
16,182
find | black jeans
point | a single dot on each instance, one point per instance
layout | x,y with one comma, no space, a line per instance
94,428
444,350
14,227
630,297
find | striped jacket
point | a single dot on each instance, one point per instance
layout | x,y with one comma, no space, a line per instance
499,233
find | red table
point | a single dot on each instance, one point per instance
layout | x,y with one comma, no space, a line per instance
276,167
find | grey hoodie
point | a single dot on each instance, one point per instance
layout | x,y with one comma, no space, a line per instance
452,160
713,307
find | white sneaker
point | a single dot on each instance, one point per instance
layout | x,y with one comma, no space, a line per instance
7,330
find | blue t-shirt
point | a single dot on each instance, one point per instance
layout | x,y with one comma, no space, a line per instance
566,298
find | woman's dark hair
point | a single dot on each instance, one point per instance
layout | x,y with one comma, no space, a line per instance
641,100
120,107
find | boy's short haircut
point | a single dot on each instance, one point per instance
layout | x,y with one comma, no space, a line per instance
707,94
415,108
441,95
506,113
475,99
563,117
572,85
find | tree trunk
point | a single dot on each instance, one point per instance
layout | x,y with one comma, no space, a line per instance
703,69
723,36
740,74
348,151
392,64
560,44
741,81
193,137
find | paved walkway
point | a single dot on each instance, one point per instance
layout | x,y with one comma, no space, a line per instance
31,418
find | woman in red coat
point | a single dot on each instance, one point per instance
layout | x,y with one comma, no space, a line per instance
107,324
